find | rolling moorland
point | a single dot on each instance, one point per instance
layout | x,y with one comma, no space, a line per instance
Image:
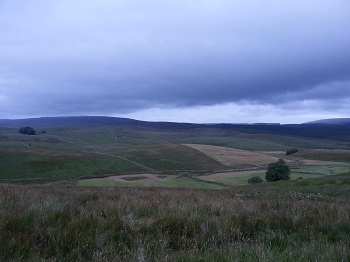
103,189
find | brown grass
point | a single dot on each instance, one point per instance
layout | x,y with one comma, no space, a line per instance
234,157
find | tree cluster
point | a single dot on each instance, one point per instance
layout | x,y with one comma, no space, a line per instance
27,130
277,171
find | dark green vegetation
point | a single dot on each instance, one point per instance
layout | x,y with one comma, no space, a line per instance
291,151
255,180
301,220
277,171
26,131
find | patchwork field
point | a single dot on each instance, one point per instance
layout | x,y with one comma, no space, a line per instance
172,192
187,155
64,154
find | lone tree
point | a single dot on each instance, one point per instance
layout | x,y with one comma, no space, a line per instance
27,130
277,171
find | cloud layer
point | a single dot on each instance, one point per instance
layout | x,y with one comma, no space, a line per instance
121,57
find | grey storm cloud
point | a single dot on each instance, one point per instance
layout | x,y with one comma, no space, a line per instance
85,56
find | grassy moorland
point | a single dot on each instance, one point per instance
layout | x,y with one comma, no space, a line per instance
302,220
149,197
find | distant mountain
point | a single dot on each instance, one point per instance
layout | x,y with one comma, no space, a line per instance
331,121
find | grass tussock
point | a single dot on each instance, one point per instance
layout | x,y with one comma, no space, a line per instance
283,221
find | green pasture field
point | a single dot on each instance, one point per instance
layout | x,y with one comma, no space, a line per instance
324,169
234,179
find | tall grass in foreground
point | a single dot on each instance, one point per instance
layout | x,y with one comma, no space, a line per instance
304,220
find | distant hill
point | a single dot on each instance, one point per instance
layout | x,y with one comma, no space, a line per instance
317,129
89,121
74,121
331,121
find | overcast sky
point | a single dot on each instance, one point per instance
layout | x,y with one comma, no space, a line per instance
176,60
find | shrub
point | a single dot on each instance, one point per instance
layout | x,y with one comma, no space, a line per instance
277,171
255,180
27,130
291,151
